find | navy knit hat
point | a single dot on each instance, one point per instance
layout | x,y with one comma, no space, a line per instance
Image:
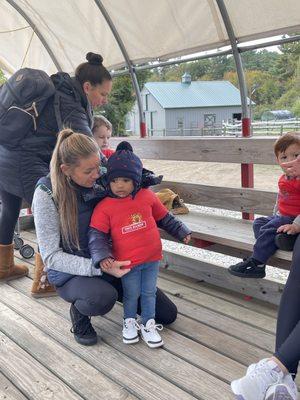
124,164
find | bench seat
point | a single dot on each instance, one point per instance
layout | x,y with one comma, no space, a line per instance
231,233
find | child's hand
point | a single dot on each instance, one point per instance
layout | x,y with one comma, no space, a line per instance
107,263
187,239
290,229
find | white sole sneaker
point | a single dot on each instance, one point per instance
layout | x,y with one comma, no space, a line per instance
154,345
235,390
131,341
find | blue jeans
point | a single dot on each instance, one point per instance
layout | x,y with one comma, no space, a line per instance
140,282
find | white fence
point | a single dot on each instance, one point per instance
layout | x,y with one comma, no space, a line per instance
259,128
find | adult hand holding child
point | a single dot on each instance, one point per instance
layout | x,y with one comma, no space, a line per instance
114,267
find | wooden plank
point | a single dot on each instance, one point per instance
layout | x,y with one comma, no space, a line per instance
232,232
136,378
252,303
8,391
195,353
220,341
75,372
241,199
222,323
182,374
281,259
30,377
221,306
217,274
257,150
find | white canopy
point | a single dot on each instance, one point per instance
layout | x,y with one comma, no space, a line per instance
149,29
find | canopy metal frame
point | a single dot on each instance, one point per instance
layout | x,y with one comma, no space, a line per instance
131,69
13,4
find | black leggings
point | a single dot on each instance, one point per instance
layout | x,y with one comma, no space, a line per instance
97,296
9,213
288,323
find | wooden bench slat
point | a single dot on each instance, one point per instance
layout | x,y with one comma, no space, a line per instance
231,232
257,150
229,198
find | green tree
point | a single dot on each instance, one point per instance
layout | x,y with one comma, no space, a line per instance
120,103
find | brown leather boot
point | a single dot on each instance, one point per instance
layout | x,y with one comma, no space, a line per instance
8,269
40,286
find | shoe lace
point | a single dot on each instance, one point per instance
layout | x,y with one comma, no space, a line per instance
154,327
132,323
82,326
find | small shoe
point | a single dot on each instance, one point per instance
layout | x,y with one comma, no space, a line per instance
130,331
150,335
82,329
258,379
248,268
285,242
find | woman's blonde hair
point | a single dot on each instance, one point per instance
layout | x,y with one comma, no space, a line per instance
70,148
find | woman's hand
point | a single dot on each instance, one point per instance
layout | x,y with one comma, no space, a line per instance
290,229
115,269
187,239
292,168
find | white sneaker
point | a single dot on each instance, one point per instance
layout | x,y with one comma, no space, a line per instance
150,335
259,377
287,390
130,331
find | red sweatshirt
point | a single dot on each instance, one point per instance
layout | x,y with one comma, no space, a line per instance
108,152
289,196
132,226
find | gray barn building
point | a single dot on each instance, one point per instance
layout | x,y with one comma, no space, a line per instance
186,107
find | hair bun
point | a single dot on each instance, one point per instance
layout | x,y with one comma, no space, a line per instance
124,146
94,59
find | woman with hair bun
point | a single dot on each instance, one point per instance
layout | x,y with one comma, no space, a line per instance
22,165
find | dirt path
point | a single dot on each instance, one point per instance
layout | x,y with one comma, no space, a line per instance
214,174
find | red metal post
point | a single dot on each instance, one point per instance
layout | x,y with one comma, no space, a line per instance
143,130
247,175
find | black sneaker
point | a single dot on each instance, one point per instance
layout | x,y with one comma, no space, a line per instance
82,329
248,268
285,242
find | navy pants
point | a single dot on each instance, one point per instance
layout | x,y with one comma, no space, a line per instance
288,322
265,229
97,296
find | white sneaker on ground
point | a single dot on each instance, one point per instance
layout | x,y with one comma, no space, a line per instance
150,334
259,377
287,390
130,331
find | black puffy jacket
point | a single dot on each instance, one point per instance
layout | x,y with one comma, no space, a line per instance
21,168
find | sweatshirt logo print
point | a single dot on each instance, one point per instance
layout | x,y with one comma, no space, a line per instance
137,223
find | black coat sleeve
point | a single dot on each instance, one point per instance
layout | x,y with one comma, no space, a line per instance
74,116
174,226
99,246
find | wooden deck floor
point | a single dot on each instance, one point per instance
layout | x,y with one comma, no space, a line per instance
217,334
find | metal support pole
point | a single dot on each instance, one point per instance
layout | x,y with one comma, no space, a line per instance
246,169
38,33
129,64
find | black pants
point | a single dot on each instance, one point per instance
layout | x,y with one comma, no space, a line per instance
9,213
288,323
97,296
